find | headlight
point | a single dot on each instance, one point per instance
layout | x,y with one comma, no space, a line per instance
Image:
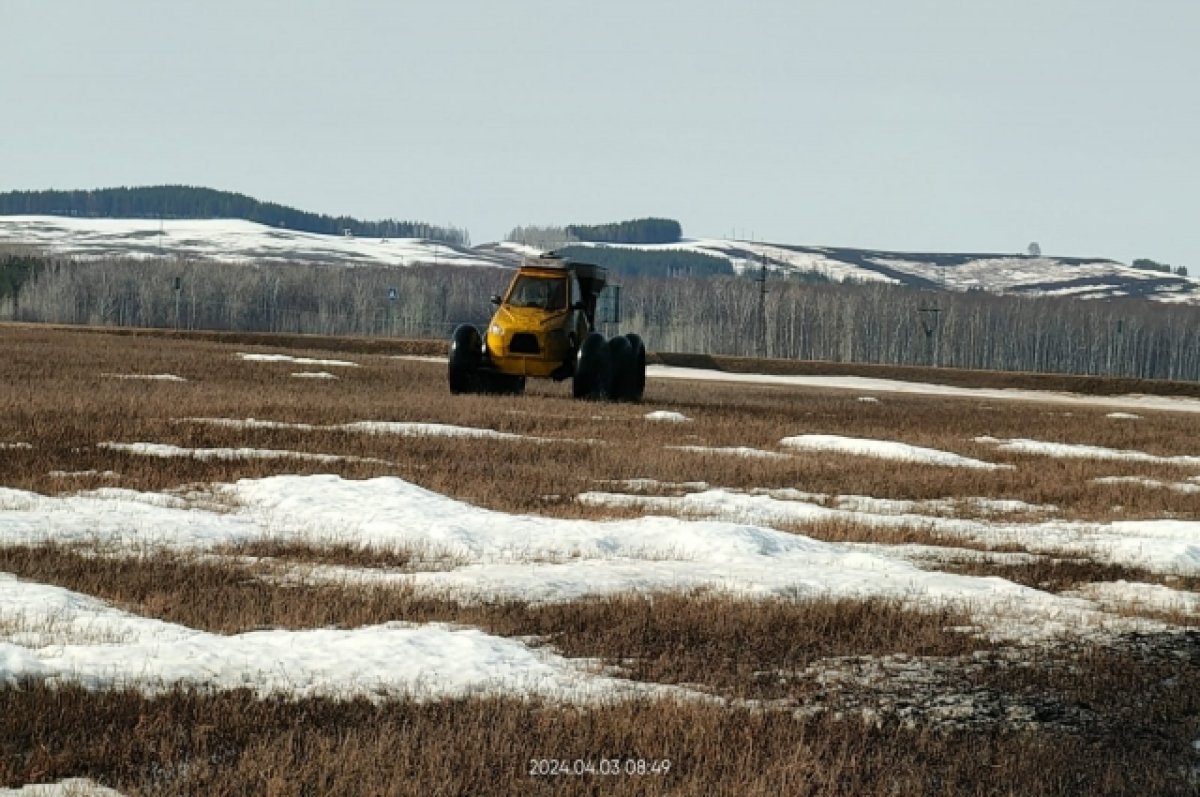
497,329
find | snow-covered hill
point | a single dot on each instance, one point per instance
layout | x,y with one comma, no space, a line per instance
226,239
1086,278
237,240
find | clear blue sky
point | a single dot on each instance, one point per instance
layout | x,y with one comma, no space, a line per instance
947,125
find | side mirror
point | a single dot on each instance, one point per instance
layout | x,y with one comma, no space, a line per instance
578,306
495,299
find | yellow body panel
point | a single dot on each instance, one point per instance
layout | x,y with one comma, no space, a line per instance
544,337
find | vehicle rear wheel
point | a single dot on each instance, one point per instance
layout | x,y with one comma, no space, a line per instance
620,356
636,384
466,353
592,368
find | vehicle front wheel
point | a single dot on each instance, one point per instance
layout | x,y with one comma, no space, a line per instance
466,354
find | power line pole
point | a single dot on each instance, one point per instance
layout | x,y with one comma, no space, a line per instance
930,325
762,307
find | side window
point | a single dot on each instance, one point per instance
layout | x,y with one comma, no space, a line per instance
515,290
576,291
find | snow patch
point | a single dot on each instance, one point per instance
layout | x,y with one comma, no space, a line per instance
390,660
528,557
314,375
862,384
82,474
665,415
402,428
1163,546
71,787
1076,451
1179,487
654,485
1116,595
166,451
152,377
286,358
885,449
731,451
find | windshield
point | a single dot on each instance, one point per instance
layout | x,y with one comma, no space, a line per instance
548,293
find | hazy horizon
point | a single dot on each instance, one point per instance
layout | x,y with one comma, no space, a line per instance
922,125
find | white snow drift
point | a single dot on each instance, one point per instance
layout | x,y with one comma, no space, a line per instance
884,449
547,559
1076,451
70,637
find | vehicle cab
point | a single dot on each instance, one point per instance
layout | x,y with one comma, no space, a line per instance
541,319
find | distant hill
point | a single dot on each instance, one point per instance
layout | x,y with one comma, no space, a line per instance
229,240
191,202
1008,273
235,240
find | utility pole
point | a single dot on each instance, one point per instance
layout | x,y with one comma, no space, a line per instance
930,318
762,307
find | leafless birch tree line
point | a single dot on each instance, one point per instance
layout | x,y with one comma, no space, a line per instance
718,315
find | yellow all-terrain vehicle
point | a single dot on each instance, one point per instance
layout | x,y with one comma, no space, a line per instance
545,326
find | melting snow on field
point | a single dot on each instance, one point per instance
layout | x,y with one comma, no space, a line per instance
706,537
71,787
287,358
1073,450
1118,595
1158,484
401,428
666,415
884,449
861,384
150,377
551,559
63,636
730,451
52,633
1164,546
164,451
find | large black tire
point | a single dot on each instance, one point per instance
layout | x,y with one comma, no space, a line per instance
592,368
636,384
620,356
466,353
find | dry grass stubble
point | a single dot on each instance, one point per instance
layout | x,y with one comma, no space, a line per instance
63,407
59,402
232,743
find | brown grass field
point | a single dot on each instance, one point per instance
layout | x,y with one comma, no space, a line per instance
943,712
